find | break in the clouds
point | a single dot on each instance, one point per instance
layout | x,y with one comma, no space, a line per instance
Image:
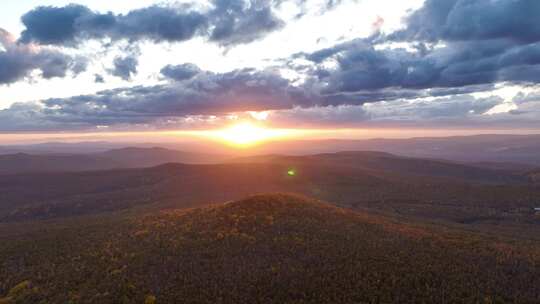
451,62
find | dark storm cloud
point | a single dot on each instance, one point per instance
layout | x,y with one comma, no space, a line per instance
180,72
19,61
125,67
228,22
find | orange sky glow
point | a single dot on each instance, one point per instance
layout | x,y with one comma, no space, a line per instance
241,135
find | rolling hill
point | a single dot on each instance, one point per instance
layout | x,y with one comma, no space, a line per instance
268,248
386,162
473,198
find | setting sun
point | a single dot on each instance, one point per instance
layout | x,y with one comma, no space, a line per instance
247,134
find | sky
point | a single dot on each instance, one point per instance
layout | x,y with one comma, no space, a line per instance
136,66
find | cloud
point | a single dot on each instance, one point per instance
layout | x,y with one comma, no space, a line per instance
462,106
99,78
330,116
238,21
125,67
51,25
180,72
197,93
19,61
72,24
461,20
460,43
316,7
360,66
462,111
106,108
445,44
205,94
227,22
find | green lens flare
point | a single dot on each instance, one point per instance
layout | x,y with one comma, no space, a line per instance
291,173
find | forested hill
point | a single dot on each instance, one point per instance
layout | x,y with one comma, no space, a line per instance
268,248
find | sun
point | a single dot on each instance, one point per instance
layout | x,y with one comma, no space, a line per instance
247,134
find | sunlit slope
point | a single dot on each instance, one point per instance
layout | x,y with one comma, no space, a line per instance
267,248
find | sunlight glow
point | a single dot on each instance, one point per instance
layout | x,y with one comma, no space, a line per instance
267,135
247,134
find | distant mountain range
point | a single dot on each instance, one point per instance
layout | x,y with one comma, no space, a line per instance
112,159
517,149
521,150
517,153
133,157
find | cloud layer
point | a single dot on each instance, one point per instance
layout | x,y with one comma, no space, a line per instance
205,93
442,67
